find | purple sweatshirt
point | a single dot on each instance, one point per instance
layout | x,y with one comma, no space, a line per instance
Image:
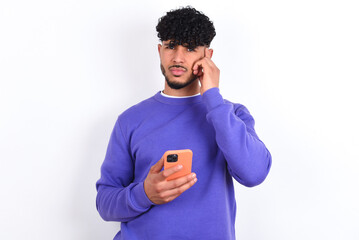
224,144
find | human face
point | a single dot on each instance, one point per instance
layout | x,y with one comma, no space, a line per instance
177,62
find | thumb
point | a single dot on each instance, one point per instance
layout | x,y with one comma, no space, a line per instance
158,166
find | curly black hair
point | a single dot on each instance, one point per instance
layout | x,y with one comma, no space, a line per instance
187,27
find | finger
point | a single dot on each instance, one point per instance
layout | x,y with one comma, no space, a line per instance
200,72
168,172
196,67
175,183
203,63
158,166
173,193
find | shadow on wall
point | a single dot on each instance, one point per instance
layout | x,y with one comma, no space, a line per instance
136,63
140,63
137,77
83,203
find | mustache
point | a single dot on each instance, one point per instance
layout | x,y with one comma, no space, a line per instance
177,66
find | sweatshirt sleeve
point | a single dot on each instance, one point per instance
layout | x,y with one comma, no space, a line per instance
248,159
118,197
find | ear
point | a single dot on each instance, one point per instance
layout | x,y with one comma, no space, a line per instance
210,52
159,46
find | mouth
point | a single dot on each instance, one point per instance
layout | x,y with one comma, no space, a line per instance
177,71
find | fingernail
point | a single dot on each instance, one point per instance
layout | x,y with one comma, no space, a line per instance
179,166
193,175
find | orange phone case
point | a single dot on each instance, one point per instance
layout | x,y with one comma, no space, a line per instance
184,157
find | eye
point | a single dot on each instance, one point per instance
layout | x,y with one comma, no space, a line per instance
191,49
170,46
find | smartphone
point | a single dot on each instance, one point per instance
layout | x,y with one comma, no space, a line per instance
176,157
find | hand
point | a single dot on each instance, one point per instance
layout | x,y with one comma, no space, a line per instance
207,72
161,191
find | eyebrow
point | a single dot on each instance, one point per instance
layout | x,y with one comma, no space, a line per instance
186,46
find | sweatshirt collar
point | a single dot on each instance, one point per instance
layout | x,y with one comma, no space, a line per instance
161,97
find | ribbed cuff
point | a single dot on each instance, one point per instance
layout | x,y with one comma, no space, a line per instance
212,98
139,197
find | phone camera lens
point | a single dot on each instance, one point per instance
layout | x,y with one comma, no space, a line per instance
172,158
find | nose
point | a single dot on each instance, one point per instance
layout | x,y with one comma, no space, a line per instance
178,55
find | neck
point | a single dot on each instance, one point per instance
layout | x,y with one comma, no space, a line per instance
190,90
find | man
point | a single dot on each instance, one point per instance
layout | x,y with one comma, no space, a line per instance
133,188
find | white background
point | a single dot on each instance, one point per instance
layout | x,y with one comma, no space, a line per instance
69,68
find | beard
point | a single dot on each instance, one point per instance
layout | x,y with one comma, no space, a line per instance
178,85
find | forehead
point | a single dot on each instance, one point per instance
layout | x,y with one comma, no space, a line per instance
175,42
